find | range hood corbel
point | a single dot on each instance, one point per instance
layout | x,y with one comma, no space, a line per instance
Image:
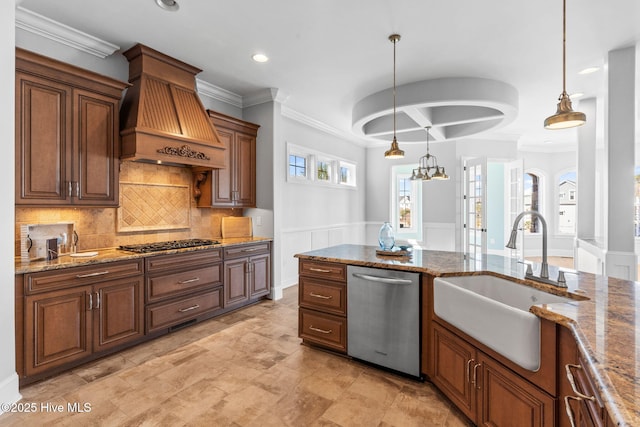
162,118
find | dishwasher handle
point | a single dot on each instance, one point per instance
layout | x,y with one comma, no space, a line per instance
387,280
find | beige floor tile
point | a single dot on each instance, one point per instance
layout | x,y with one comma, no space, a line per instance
243,369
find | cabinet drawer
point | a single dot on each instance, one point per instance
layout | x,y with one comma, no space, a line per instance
324,270
323,329
184,260
323,295
76,276
167,285
164,315
246,250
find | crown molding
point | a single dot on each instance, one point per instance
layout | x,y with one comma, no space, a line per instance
218,93
317,124
264,95
53,30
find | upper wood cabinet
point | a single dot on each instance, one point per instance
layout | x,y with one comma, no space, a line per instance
67,134
234,186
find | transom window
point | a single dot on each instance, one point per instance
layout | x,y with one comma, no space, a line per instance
297,166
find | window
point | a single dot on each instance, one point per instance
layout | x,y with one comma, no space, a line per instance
309,166
531,198
636,205
347,174
406,209
323,170
566,186
297,166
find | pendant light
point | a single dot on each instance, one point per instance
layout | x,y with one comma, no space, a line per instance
394,152
564,117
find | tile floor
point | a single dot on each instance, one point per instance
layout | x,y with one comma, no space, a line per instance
243,369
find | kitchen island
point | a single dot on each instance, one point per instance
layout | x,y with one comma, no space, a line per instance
602,315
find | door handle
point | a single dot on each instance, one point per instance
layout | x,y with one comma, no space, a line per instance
475,375
469,362
97,300
572,382
382,279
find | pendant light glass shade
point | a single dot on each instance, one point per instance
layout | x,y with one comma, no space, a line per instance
394,152
564,117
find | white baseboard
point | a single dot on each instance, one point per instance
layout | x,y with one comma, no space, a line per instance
9,390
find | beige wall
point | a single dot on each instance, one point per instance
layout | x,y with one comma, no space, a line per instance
97,227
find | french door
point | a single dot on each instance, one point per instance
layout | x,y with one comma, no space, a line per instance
475,198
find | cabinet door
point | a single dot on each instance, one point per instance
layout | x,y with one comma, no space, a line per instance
119,312
96,148
222,179
236,282
260,283
245,170
57,329
455,367
509,400
43,141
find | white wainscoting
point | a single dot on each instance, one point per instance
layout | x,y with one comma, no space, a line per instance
294,241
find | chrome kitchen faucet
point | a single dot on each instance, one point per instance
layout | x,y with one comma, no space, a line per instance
544,270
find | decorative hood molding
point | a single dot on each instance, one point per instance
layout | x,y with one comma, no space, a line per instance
162,118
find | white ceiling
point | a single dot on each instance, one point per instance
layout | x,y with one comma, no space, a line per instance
327,55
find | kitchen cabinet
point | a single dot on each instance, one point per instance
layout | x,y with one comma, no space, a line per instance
580,404
235,185
67,134
483,389
76,314
322,301
183,288
247,273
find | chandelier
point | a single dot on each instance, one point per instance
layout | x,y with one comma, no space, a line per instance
428,163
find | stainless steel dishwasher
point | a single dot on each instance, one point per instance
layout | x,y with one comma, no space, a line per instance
383,325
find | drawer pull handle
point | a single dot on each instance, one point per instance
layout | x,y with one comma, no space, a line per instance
184,282
567,407
319,270
322,331
311,294
193,307
97,273
573,382
250,250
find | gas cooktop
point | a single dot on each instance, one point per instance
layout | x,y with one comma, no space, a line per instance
171,244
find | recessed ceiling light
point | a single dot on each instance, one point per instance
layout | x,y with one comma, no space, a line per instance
260,57
589,70
170,5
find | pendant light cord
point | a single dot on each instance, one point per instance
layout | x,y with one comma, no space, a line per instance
564,47
395,40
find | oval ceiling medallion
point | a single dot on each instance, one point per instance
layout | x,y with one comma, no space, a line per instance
453,107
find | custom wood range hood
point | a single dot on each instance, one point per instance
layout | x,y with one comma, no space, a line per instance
162,118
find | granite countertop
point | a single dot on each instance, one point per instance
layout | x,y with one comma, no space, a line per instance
603,317
114,254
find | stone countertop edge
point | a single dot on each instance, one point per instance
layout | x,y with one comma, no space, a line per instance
613,372
106,255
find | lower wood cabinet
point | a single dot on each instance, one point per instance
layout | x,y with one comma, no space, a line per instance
75,323
247,273
322,300
483,389
182,288
580,404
